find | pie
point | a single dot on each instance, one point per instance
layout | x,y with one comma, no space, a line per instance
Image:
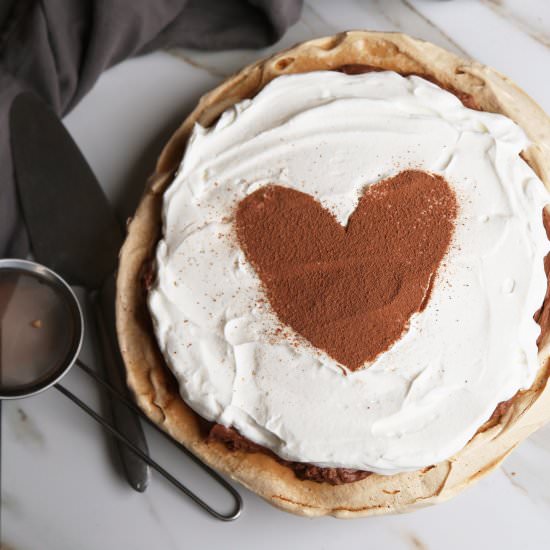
337,298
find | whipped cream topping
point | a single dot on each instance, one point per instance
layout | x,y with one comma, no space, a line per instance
330,135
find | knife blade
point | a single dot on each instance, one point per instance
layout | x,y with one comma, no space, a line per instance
73,231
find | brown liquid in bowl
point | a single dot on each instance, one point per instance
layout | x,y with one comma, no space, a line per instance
36,330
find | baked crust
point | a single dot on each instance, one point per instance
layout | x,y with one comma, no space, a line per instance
152,384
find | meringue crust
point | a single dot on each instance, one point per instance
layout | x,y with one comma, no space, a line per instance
156,391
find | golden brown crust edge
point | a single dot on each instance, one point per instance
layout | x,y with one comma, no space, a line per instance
156,392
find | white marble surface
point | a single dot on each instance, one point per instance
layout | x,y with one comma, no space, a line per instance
61,487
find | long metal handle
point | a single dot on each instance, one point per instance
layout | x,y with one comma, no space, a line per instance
136,470
123,439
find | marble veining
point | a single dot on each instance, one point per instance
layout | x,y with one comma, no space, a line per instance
415,542
25,429
527,468
401,12
527,17
60,488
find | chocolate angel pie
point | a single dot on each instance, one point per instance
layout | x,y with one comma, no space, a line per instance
333,289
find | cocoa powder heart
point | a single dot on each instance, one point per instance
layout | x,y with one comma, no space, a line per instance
350,291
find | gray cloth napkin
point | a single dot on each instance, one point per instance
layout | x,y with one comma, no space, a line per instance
58,48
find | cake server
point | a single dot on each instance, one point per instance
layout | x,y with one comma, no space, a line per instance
74,232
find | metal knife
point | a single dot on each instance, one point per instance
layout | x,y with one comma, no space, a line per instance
73,231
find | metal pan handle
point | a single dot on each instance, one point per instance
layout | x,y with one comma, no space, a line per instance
155,465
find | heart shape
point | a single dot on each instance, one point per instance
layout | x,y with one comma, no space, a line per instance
350,291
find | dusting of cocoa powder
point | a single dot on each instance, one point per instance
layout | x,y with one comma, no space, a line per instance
350,291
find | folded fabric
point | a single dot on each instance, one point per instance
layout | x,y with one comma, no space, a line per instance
58,48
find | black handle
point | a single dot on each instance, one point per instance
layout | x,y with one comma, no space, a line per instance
126,421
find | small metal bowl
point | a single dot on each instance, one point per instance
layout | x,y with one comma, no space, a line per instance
73,329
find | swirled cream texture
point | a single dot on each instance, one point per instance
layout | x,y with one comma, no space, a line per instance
330,135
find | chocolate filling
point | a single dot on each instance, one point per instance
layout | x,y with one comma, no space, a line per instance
234,441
